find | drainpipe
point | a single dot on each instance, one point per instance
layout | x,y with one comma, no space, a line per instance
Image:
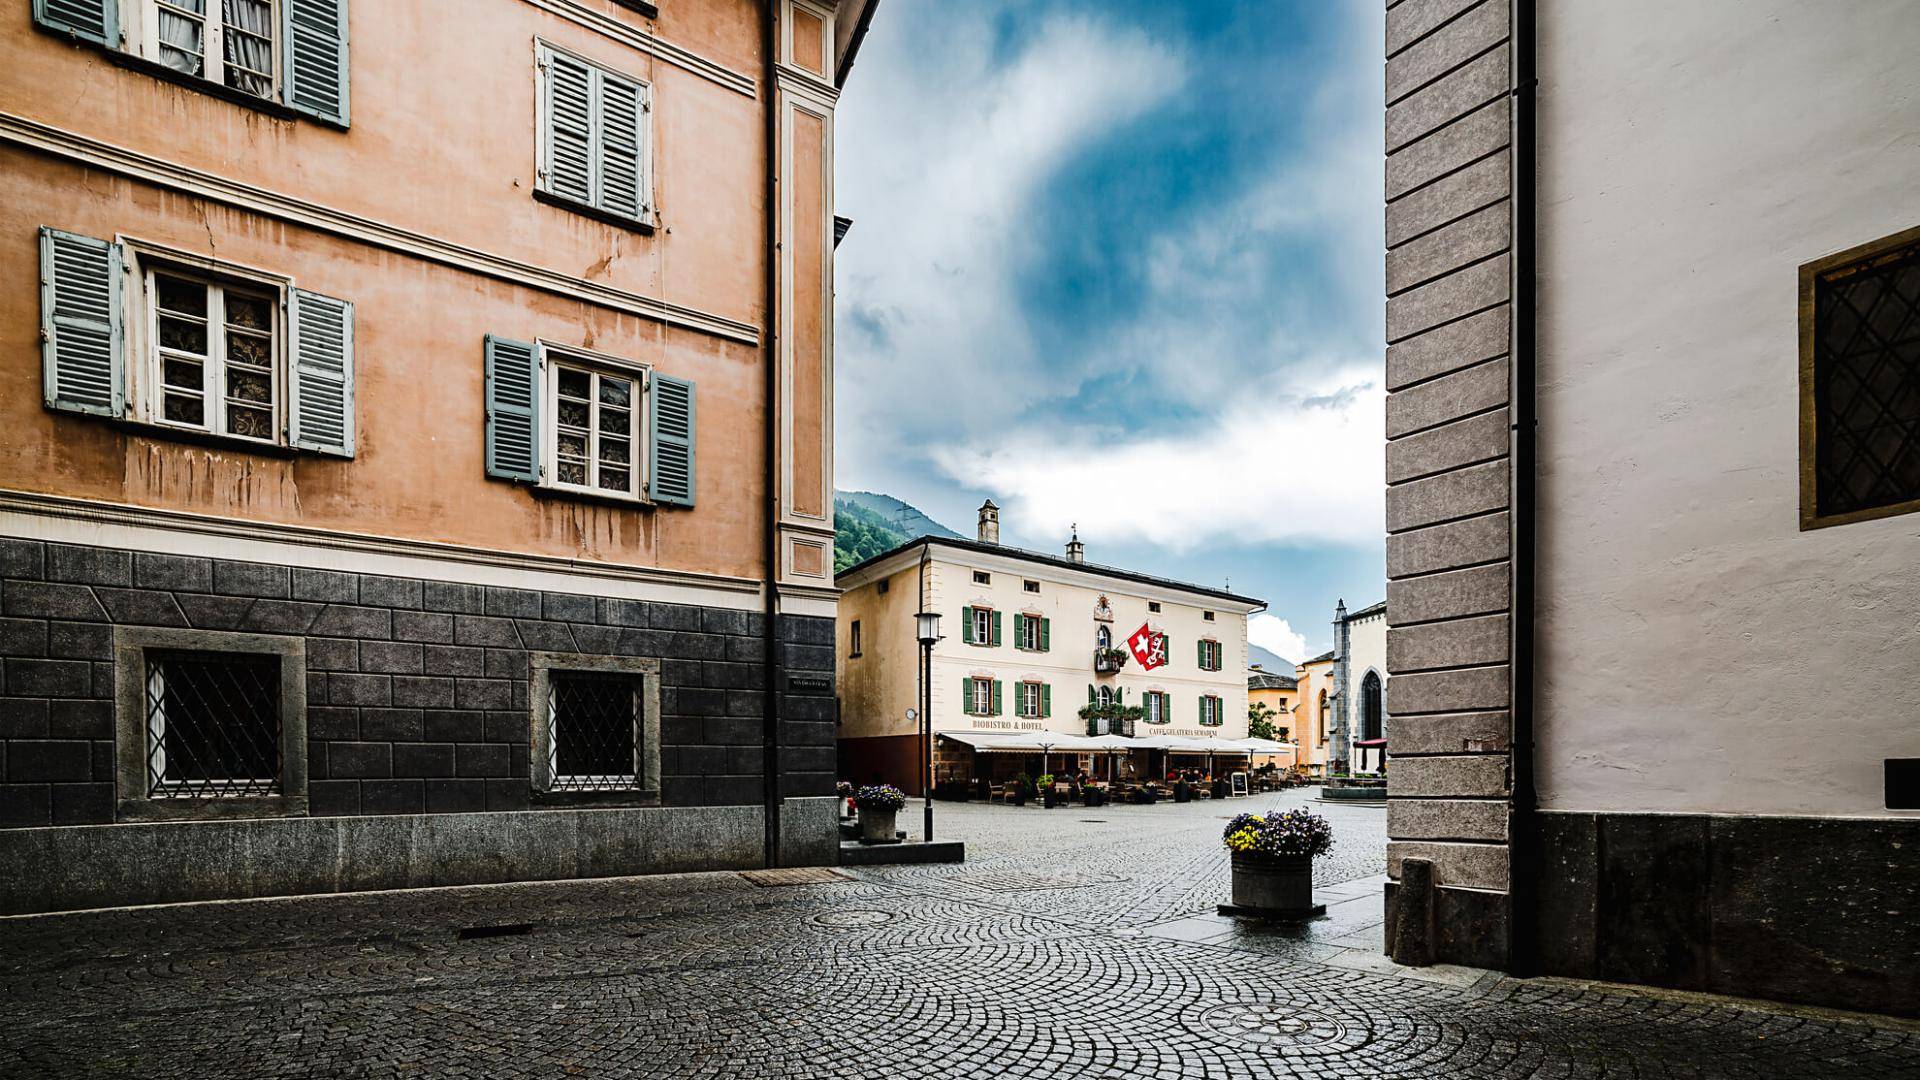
1524,848
772,675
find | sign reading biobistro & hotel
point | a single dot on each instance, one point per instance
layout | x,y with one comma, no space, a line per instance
1028,641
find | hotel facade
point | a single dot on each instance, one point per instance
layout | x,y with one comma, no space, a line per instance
1029,639
419,444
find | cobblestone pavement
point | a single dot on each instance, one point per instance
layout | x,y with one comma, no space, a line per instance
1075,943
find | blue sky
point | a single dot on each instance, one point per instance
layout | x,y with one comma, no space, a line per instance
1120,265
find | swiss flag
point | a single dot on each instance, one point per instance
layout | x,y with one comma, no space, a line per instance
1149,648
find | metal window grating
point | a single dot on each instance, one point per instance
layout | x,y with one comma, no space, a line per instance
1866,383
593,721
213,725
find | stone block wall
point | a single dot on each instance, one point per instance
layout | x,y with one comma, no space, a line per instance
417,690
1449,239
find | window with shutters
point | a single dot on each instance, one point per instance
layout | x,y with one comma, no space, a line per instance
185,343
1030,633
1032,695
596,428
594,138
279,54
1155,707
1211,712
1210,656
982,625
980,697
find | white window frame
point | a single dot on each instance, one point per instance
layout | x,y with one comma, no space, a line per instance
983,626
1103,636
1030,700
1156,707
213,55
553,357
980,695
543,164
146,393
1027,632
1212,711
1106,695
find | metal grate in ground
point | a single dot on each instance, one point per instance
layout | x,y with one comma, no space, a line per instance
798,875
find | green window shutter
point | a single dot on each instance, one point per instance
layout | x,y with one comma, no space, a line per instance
91,20
321,415
996,697
566,136
513,410
1046,699
1093,696
83,358
996,629
620,146
1201,647
966,625
316,58
670,477
1046,635
966,696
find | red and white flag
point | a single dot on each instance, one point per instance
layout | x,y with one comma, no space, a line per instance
1149,648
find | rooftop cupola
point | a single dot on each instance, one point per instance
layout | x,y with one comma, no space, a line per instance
1076,551
989,523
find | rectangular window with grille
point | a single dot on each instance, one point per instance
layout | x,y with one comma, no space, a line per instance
594,731
1860,383
213,724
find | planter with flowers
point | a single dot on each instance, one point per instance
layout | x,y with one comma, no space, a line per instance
878,804
1273,863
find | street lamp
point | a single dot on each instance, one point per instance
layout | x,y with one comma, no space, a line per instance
927,628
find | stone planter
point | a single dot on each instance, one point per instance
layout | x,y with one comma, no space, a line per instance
876,825
1274,887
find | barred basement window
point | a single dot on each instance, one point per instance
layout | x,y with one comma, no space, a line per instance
593,724
213,725
1860,383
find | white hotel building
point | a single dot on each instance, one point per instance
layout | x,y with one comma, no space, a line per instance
1022,652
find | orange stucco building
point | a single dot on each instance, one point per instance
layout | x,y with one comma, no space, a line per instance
523,301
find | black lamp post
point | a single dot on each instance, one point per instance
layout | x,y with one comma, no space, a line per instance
927,626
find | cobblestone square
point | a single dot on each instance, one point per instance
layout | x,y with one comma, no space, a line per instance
1074,942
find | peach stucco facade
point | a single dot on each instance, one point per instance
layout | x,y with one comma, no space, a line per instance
421,212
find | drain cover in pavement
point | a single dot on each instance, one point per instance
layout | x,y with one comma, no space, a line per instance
1276,1026
799,875
854,918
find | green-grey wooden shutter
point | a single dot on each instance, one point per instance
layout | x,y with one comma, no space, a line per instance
567,143
83,361
997,685
1093,696
315,41
966,696
1046,635
996,629
670,479
966,625
92,20
620,146
1201,646
1046,699
513,410
320,416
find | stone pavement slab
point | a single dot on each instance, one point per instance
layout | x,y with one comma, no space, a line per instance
1073,945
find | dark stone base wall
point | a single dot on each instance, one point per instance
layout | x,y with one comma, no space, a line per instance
417,689
1821,911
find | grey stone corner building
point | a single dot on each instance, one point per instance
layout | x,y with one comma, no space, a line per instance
1653,288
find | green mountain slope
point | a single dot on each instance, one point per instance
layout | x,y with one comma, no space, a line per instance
867,524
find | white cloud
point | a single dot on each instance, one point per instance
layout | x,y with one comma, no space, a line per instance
943,145
1280,462
1274,634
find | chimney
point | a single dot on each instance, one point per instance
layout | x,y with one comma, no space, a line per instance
989,523
1076,551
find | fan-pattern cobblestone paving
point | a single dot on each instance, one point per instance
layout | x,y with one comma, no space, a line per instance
1056,951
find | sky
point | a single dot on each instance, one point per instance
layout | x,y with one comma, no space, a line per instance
1119,266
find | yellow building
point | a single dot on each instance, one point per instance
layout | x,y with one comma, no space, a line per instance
1028,640
1277,690
1313,711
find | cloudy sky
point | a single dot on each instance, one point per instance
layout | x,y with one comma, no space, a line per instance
1119,265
